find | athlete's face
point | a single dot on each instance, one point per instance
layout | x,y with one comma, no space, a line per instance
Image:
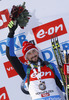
32,56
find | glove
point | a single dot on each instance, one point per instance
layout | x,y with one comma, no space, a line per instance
12,27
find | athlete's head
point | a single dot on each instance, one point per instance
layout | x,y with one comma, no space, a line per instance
30,52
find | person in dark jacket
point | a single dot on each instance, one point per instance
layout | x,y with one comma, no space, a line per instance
41,77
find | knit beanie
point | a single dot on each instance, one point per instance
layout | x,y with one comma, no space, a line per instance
27,46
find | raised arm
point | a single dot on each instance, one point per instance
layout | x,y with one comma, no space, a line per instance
10,51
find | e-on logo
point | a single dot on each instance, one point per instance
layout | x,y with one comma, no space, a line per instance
33,75
45,31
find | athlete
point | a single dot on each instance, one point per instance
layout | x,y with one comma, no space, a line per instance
41,77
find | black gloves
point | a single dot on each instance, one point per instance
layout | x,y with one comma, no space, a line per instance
12,27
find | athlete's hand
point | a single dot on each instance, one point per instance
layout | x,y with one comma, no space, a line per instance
12,27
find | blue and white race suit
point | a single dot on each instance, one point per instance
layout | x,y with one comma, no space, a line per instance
51,79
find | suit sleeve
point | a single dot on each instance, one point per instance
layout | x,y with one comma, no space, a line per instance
17,65
58,78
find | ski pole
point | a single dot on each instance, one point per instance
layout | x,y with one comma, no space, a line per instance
58,59
66,71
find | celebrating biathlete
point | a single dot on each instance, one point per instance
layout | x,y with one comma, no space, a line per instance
41,78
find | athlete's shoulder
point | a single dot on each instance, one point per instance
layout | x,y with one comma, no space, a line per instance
56,70
49,64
